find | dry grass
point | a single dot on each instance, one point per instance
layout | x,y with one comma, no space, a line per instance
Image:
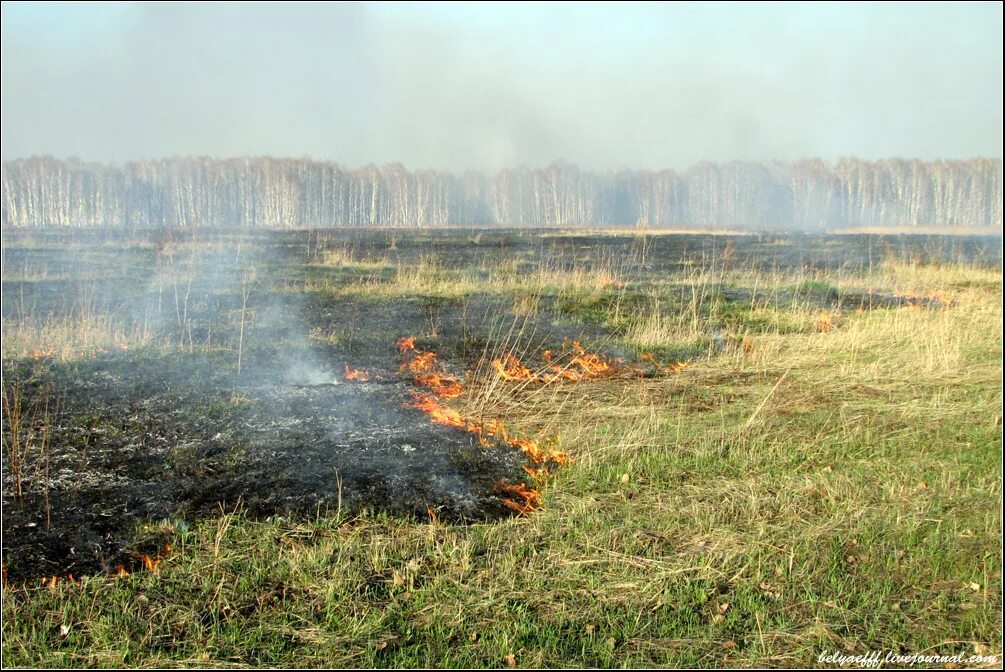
432,278
69,337
344,257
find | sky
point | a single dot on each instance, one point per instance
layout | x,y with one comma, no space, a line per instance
488,86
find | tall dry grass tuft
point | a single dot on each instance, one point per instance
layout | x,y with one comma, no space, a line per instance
429,276
344,257
26,439
70,337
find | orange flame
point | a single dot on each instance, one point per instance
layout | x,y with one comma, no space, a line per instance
427,372
591,364
359,375
510,368
581,365
418,361
487,431
439,414
521,498
50,582
444,386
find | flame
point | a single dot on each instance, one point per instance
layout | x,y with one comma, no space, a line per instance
418,361
510,368
51,582
444,386
427,372
592,365
422,362
439,414
487,432
359,375
520,498
150,563
582,365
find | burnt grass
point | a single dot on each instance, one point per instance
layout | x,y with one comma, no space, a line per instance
168,435
141,438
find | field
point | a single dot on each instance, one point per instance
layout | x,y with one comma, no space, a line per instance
498,448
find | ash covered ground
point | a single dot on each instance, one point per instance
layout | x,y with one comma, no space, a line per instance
236,396
137,438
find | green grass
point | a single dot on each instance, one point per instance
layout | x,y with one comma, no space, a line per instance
804,490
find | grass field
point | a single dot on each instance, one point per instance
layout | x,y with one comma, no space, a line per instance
825,475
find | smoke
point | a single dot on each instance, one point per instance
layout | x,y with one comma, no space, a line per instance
203,289
493,86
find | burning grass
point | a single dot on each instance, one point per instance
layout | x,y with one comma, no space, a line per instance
141,562
425,370
356,375
542,455
575,365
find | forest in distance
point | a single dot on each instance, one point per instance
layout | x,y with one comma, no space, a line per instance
264,192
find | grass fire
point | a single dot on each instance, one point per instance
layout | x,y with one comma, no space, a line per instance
458,446
403,335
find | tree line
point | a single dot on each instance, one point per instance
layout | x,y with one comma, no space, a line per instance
809,195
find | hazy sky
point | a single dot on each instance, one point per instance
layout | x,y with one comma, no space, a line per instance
491,86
